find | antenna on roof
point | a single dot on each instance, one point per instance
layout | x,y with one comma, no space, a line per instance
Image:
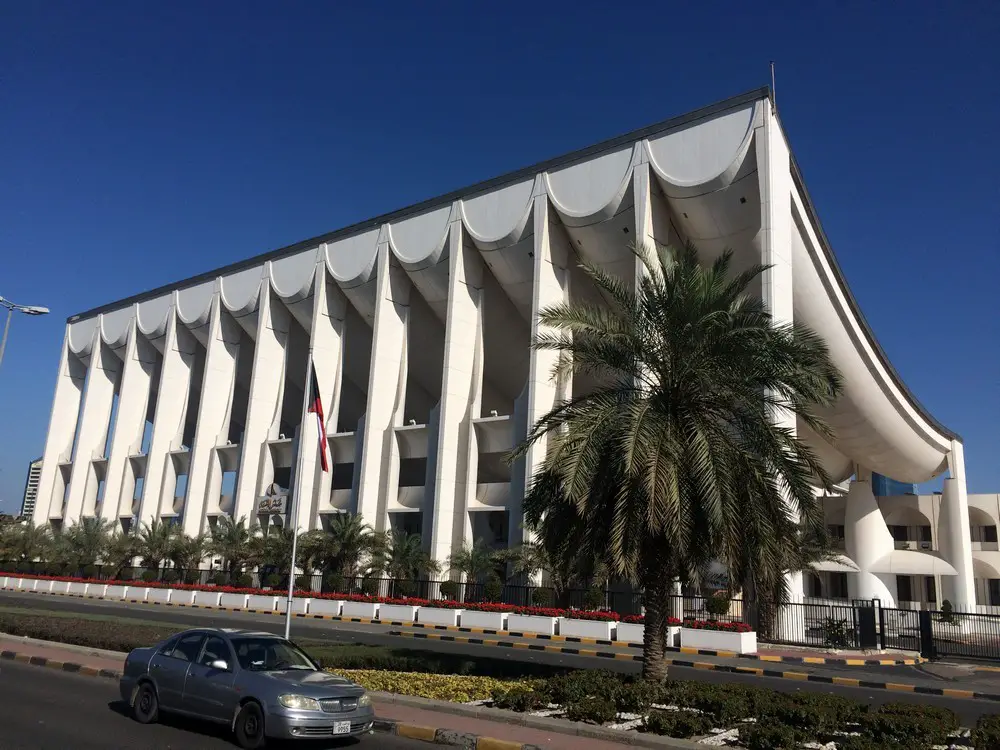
774,91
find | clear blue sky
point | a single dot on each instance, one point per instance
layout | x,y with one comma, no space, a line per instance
141,143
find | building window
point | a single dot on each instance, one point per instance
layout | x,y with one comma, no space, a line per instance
990,534
904,589
898,533
994,585
838,585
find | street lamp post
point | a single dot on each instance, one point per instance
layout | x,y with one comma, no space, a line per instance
11,309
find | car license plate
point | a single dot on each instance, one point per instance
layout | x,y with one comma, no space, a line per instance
341,727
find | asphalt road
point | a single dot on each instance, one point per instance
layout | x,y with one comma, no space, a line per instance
41,709
334,632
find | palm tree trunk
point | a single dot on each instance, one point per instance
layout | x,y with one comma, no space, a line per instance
657,575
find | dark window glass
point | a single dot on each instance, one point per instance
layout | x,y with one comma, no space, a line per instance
187,647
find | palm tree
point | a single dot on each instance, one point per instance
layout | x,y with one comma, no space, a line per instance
156,540
186,552
121,550
407,560
675,456
30,543
475,562
352,543
231,540
86,542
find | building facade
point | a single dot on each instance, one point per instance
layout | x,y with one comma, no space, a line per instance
419,323
31,488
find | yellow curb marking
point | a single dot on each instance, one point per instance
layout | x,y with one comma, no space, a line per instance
489,743
847,681
416,732
900,687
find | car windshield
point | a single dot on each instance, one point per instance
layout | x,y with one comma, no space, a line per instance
270,655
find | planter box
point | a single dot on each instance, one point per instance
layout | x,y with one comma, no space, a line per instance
329,607
189,597
77,589
233,601
3,582
397,613
602,631
439,616
532,624
716,640
262,603
484,620
115,592
630,632
360,609
300,605
158,595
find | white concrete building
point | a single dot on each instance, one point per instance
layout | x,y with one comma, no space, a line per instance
31,488
184,402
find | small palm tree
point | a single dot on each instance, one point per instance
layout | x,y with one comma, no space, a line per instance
675,456
85,543
231,540
120,553
30,543
186,552
475,562
407,560
352,543
156,540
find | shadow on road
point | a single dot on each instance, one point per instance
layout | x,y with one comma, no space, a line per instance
210,729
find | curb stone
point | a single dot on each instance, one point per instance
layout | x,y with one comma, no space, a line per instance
812,660
62,666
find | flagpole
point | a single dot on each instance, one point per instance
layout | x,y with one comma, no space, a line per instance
297,496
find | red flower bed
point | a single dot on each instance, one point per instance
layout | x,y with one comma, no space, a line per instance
641,620
599,615
722,627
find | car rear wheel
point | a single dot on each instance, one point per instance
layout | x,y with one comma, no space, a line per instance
145,706
250,727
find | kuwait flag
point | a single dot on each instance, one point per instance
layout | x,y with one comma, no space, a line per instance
316,407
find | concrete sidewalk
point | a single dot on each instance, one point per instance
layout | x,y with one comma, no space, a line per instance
411,717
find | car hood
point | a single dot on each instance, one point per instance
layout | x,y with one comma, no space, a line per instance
315,684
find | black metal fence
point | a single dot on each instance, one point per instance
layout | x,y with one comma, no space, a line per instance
857,625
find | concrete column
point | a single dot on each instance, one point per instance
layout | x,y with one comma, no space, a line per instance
133,398
867,540
59,440
214,411
102,375
386,390
266,391
956,539
179,349
326,343
461,395
550,287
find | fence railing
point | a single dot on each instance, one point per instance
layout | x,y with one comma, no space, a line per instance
827,624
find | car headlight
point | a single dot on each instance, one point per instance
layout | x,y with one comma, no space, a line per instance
299,702
365,700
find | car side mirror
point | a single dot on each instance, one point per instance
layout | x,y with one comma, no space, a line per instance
221,664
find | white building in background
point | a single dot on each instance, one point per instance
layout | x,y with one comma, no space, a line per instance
185,402
31,488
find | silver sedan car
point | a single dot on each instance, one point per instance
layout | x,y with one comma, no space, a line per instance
259,684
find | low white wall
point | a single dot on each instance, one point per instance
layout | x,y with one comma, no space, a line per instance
329,607
571,628
439,616
397,613
262,603
484,620
717,640
161,596
367,610
233,601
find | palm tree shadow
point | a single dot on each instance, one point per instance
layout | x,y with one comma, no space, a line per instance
210,729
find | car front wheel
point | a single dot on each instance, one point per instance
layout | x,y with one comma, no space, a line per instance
250,727
145,706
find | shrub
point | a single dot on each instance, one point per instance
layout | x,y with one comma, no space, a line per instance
682,724
243,581
148,576
914,725
769,737
404,588
947,612
836,633
89,571
986,735
333,582
591,710
303,583
638,695
493,590
814,712
433,686
369,587
594,598
53,569
717,605
541,598
575,686
170,576
449,589
598,615
192,577
725,627
272,580
518,698
220,579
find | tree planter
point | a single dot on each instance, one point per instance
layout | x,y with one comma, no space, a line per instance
484,620
397,613
233,601
328,607
77,589
439,616
532,624
630,632
115,592
300,605
367,610
160,596
201,598
599,629
719,640
262,603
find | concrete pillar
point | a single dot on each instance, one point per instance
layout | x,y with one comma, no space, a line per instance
266,391
550,287
214,412
867,540
179,350
133,398
956,539
386,390
59,440
102,375
326,342
461,396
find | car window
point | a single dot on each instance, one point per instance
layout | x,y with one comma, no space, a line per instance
270,654
167,647
187,647
215,649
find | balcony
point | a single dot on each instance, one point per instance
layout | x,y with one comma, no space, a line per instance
985,547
